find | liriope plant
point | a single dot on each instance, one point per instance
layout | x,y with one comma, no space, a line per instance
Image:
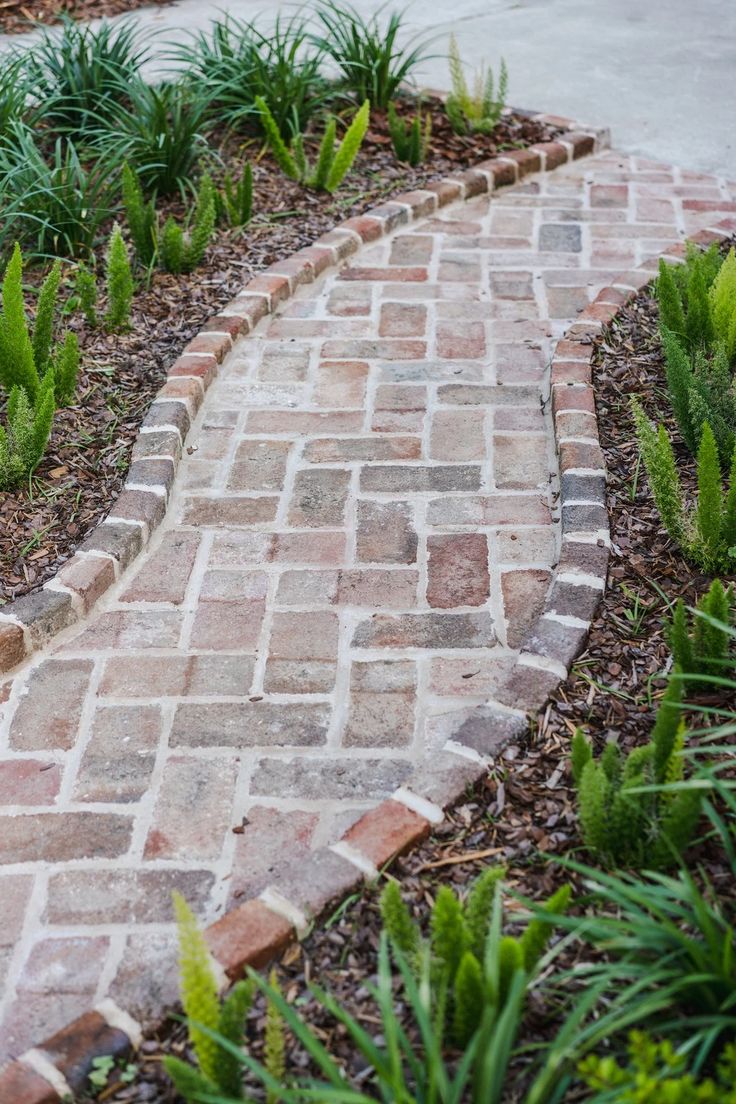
333,163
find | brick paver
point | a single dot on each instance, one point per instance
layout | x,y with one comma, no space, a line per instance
362,529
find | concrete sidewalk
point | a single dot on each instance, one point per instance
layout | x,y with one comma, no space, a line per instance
659,74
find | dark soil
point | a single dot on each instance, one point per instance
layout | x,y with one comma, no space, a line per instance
526,804
19,16
84,468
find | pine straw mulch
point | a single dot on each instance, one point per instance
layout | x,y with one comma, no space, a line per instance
84,468
21,16
526,804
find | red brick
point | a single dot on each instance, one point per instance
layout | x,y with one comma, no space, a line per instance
366,227
167,571
555,154
308,548
140,676
421,201
426,630
395,274
47,717
206,785
709,205
304,636
118,761
386,348
473,676
520,462
462,342
385,589
12,645
574,454
232,324
254,723
523,599
300,423
131,629
573,399
387,831
201,367
341,383
386,533
339,241
61,837
259,466
332,450
447,191
270,841
582,144
222,626
503,171
609,195
142,506
28,782
570,371
319,498
457,570
250,935
458,435
20,1085
73,1049
230,510
252,307
527,160
88,576
402,320
382,704
275,288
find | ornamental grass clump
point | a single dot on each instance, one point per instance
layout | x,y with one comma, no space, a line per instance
701,642
333,163
479,110
627,815
473,963
707,532
409,138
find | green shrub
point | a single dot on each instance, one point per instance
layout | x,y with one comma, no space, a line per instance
158,131
473,963
372,63
332,164
235,201
701,390
26,361
684,296
180,250
477,111
410,140
79,75
119,283
218,1069
700,647
54,203
234,62
24,441
621,825
706,533
722,297
658,1074
140,216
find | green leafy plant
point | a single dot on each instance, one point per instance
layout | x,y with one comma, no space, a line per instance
332,163
119,283
475,111
180,250
622,825
79,75
55,203
473,962
702,390
219,1070
85,293
236,61
235,201
28,361
683,295
707,533
14,90
24,441
141,217
158,131
410,140
368,54
722,296
656,1073
701,643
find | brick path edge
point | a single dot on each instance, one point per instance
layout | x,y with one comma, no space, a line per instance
30,622
255,932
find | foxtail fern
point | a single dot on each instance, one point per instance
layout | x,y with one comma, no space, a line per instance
410,139
333,163
477,111
701,642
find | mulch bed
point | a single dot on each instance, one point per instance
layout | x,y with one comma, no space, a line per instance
85,465
21,16
526,805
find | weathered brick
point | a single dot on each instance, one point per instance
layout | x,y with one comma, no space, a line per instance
318,882
319,498
140,676
523,600
458,435
386,832
426,630
62,837
44,613
520,462
376,447
119,758
386,533
123,896
12,645
464,342
559,238
28,782
206,785
382,589
496,509
228,511
20,1085
249,724
167,571
250,935
47,717
413,479
341,383
259,466
329,779
134,629
270,842
402,320
457,570
224,626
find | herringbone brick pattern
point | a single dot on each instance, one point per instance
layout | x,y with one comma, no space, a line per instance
362,530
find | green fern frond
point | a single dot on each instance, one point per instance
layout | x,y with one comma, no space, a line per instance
348,148
198,988
397,921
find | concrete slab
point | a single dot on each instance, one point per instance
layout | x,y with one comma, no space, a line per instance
660,74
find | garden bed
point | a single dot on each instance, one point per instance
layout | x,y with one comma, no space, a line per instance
84,467
21,16
523,814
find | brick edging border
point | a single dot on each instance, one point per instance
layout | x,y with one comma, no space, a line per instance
30,622
256,931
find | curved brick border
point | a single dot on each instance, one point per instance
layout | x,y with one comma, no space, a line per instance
32,621
255,932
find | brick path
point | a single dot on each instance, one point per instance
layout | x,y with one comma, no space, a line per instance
361,531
